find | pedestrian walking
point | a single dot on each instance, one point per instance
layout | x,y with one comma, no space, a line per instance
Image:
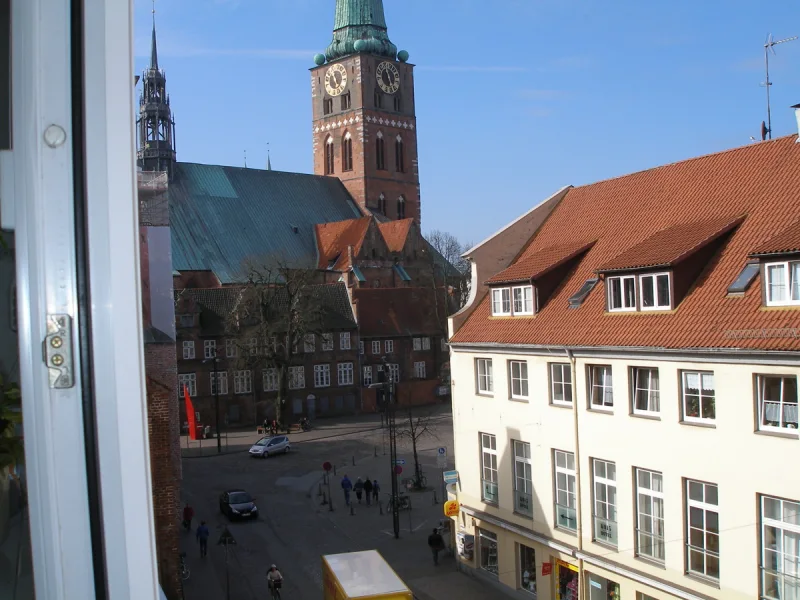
376,490
188,515
359,488
202,537
347,486
368,489
436,544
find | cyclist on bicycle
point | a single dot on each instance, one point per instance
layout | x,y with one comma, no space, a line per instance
275,579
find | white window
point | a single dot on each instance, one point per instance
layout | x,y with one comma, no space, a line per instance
344,340
367,376
566,516
560,383
270,377
327,342
273,342
222,377
394,372
345,372
777,402
601,390
698,396
650,514
389,346
309,342
523,479
242,382
489,468
419,370
483,370
523,300
361,348
253,344
426,343
518,376
780,549
646,396
621,293
322,376
376,347
605,501
655,291
187,380
443,345
417,344
188,350
297,378
702,529
783,283
209,348
501,301
230,348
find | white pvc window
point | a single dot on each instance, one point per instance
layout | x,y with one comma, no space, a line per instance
601,388
417,344
523,479
322,376
783,283
367,376
780,549
222,377
327,342
253,346
777,402
344,340
621,293
483,371
209,348
389,346
230,348
242,382
699,402
297,378
270,377
566,503
394,372
188,381
489,468
419,370
561,383
309,343
646,393
188,350
604,476
655,291
345,373
702,529
426,343
376,347
650,514
501,301
523,300
518,378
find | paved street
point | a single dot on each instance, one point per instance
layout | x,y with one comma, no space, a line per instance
295,529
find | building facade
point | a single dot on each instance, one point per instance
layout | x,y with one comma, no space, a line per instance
625,387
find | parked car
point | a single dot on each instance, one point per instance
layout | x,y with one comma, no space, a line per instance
267,446
238,504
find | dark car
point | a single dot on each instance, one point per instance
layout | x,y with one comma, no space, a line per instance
238,504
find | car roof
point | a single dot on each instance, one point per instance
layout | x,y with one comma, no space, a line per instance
235,491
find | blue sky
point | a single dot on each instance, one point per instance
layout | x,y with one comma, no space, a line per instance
515,98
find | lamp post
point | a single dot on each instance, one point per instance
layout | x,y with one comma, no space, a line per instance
216,397
387,386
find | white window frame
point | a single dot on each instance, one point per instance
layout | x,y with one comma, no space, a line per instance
230,348
367,376
604,505
501,302
344,372
417,344
791,285
565,490
344,340
703,507
655,497
786,409
253,346
309,343
703,395
394,372
361,348
327,342
518,379
419,369
602,390
484,379
653,277
781,528
297,378
426,343
489,466
269,379
322,376
561,377
209,348
389,344
653,393
243,382
623,297
523,477
187,380
222,376
522,296
188,350
376,347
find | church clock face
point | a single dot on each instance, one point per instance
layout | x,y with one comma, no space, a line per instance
336,80
388,77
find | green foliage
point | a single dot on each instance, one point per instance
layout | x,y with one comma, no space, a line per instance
11,448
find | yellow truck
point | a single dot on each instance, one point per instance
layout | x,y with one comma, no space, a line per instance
361,576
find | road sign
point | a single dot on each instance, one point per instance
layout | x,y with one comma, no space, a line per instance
450,476
326,466
398,469
400,461
441,458
442,451
226,539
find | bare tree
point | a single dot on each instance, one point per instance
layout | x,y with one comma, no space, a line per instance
454,271
414,428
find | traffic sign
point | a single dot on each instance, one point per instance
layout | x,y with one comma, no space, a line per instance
398,469
450,476
400,461
442,451
326,466
441,458
226,539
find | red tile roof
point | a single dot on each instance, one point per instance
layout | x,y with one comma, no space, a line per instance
786,242
760,180
393,312
534,265
334,238
395,233
671,245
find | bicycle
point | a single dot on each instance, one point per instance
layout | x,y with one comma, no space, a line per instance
184,569
275,588
403,502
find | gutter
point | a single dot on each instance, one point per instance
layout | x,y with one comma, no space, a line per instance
578,495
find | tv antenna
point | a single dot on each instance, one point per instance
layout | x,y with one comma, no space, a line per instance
769,46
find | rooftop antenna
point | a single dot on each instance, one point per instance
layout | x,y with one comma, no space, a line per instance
245,159
269,162
769,46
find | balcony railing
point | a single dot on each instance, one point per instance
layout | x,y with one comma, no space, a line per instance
605,531
566,517
523,503
490,491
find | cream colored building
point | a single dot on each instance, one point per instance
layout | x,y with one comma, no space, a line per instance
625,388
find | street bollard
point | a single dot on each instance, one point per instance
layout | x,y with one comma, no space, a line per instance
352,511
324,499
319,490
435,499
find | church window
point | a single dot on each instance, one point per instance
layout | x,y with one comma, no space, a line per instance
382,204
346,101
329,156
378,98
399,156
327,106
347,152
398,103
380,152
401,208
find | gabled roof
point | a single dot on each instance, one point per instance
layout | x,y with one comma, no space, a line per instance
761,181
333,240
397,312
671,245
221,217
395,233
534,265
786,242
220,301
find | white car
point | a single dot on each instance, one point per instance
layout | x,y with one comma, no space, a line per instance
269,446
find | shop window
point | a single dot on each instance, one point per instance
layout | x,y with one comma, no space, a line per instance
487,551
527,569
567,581
601,588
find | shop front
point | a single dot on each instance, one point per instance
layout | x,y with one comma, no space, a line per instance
601,588
567,581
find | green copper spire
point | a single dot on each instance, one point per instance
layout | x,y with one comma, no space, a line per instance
360,20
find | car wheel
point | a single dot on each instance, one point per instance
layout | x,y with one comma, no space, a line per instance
265,454
286,450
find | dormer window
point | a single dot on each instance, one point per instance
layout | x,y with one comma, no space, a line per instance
655,291
513,301
501,302
783,283
621,293
523,300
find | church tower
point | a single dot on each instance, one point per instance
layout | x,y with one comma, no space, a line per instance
156,127
364,124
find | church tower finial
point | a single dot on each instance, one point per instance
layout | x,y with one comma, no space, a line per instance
362,22
153,45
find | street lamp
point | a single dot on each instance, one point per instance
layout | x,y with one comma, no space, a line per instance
387,386
216,396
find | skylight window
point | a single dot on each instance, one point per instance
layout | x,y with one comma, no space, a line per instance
577,299
745,278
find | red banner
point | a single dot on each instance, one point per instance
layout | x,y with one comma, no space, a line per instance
190,414
547,568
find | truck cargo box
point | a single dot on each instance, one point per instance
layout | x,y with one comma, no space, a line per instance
361,576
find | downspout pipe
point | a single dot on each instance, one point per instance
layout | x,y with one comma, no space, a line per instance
579,497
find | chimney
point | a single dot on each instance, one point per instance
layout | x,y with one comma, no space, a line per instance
350,256
796,108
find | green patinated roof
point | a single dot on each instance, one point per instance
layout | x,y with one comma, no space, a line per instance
360,20
221,217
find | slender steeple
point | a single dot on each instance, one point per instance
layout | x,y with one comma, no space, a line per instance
361,21
153,45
